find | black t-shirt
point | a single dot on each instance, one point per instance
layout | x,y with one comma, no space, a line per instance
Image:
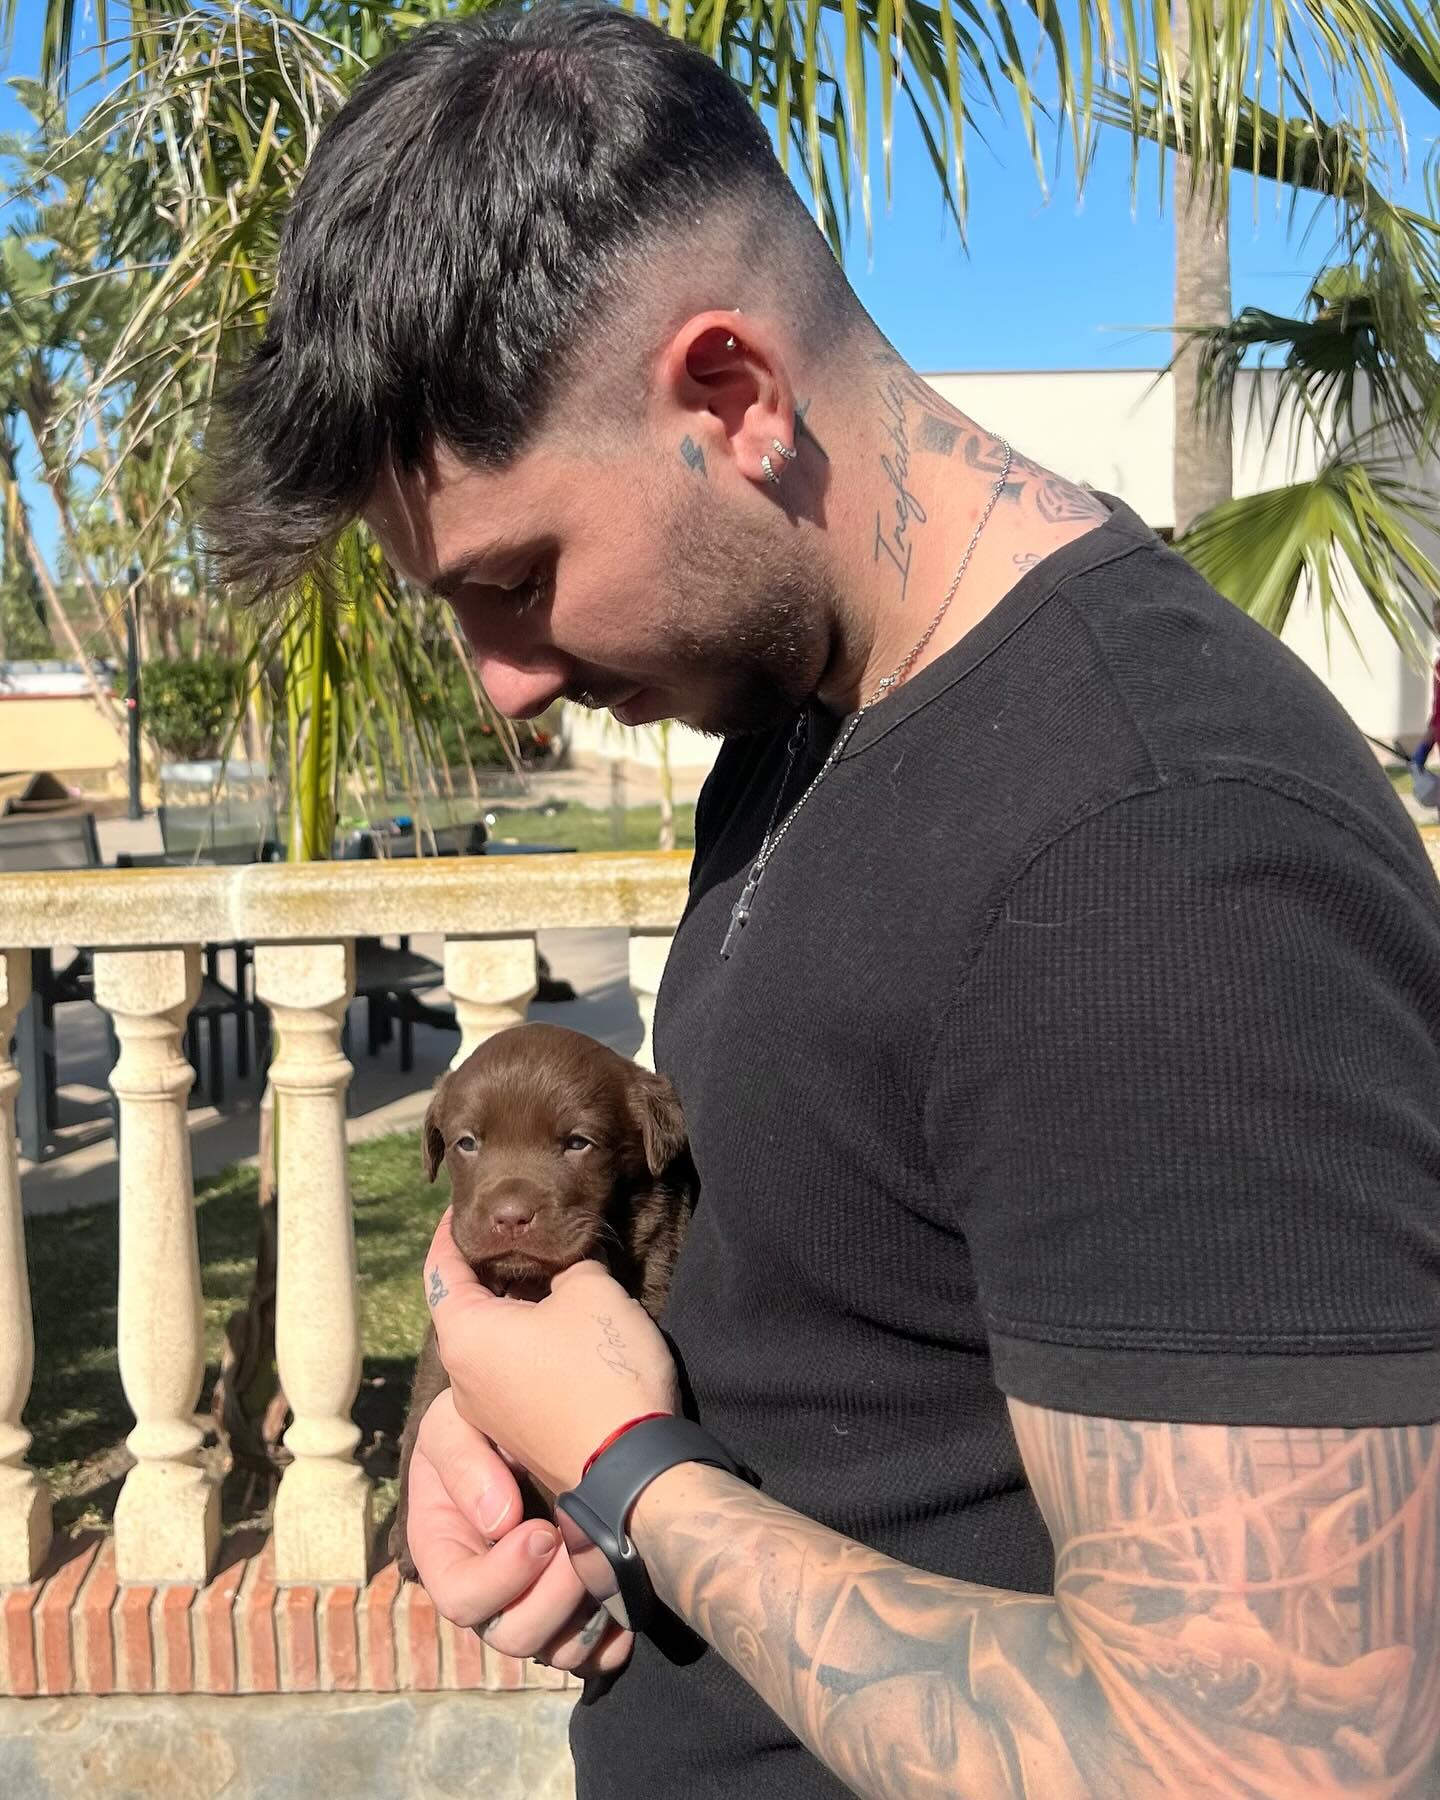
1083,1046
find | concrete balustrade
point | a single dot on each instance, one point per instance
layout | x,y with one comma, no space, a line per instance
322,1509
24,1503
492,982
146,926
167,1518
649,953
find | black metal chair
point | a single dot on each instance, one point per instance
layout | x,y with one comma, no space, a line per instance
39,843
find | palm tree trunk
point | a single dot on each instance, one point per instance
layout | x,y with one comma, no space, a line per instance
107,708
1204,474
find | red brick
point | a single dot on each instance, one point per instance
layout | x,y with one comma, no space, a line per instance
170,1624
53,1612
462,1656
255,1626
421,1634
503,1672
295,1630
93,1628
134,1648
213,1627
21,1673
380,1606
339,1640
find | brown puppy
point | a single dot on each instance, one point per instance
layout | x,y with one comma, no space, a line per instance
558,1149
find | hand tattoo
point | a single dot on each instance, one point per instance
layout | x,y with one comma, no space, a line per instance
438,1290
612,1350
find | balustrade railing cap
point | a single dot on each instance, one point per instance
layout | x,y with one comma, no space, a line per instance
316,902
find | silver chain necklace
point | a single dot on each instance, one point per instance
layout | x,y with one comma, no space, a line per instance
740,912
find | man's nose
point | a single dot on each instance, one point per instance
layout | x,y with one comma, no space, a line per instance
520,691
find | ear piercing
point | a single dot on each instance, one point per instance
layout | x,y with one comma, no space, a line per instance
782,450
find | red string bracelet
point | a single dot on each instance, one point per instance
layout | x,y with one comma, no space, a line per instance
618,1432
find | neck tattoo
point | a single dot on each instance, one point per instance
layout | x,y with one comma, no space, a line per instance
774,833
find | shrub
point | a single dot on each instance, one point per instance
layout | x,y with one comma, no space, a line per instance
188,708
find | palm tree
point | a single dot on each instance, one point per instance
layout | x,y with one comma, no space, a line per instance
1359,366
1203,468
217,102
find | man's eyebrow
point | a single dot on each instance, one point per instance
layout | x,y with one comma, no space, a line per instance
455,574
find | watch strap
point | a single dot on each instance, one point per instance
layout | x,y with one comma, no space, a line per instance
601,1502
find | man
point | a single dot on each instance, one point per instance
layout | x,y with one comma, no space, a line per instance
1055,1011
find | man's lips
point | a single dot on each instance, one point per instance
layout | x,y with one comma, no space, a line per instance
643,707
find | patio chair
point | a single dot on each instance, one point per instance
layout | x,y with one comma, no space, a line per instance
36,843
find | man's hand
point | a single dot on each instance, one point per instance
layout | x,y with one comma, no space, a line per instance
548,1380
485,1566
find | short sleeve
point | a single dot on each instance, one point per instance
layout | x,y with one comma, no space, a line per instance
1187,1099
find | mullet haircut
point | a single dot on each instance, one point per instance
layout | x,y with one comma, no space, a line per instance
483,187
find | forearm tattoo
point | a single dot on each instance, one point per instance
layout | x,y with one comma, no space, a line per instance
1238,1612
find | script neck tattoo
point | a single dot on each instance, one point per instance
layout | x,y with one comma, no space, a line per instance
775,832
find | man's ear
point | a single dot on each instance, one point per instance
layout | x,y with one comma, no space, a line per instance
662,1123
432,1135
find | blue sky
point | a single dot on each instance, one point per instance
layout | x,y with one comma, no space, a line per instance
1044,284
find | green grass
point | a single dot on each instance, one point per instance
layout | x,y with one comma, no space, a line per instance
591,828
77,1410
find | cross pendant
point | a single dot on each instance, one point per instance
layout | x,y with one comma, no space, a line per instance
739,913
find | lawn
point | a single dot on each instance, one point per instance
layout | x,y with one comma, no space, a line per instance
77,1409
592,828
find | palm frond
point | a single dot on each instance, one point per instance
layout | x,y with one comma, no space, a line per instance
1353,532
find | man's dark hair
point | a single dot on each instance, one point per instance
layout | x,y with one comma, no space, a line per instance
483,186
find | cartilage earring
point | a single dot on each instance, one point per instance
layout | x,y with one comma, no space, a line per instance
782,449
729,343
769,468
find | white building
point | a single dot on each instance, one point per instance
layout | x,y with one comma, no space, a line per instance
1114,429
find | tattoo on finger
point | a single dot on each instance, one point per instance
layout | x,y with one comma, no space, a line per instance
592,1633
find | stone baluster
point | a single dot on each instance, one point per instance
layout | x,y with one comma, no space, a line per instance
648,953
167,1518
322,1508
492,982
24,1499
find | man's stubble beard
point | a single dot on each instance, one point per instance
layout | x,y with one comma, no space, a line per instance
751,611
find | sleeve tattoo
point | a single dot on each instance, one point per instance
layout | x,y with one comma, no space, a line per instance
1238,1612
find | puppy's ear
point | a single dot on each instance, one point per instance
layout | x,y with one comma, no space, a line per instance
662,1124
432,1135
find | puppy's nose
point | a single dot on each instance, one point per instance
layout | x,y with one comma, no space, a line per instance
514,1215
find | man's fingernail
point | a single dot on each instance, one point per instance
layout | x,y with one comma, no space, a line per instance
542,1543
490,1522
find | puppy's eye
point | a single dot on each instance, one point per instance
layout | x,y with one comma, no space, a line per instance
466,1143
575,1143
